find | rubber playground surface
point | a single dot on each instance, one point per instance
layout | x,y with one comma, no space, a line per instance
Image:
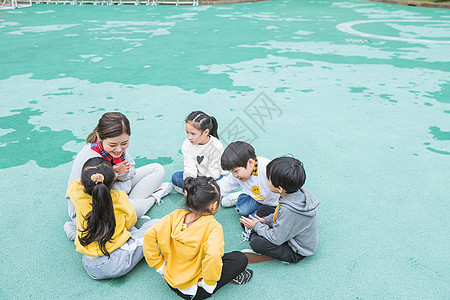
359,91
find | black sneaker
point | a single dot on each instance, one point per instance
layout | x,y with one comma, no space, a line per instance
243,278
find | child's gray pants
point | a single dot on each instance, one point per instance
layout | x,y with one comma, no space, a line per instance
121,260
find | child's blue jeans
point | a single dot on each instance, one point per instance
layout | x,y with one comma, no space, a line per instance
177,179
246,205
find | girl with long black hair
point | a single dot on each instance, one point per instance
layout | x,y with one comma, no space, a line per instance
110,245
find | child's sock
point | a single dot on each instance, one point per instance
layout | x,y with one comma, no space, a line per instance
243,278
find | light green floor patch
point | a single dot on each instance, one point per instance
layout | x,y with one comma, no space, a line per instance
359,91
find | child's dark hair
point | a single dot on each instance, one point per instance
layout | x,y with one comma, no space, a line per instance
202,121
286,172
237,155
97,177
200,193
110,125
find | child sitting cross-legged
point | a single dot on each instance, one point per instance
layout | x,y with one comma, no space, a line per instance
186,247
248,172
201,150
105,232
291,231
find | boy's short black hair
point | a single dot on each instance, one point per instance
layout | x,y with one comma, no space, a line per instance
237,155
286,172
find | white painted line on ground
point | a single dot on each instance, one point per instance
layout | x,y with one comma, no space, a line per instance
347,27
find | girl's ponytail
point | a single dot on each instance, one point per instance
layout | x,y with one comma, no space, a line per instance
97,178
102,215
214,128
202,121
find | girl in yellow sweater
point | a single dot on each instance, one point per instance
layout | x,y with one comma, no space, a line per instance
186,247
110,245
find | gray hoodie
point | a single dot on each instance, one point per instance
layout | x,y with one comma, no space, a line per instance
296,223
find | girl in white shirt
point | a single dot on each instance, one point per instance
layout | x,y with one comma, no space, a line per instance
201,150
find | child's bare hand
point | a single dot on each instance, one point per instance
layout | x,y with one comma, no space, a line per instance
261,220
123,167
249,222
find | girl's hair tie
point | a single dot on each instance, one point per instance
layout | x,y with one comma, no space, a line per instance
97,178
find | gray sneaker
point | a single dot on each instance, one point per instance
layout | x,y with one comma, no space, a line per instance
71,230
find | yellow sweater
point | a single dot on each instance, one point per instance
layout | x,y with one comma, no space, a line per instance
123,211
190,253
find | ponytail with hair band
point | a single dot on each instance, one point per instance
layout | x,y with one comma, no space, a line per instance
97,178
100,222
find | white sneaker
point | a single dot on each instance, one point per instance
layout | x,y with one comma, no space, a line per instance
230,199
178,189
246,235
162,191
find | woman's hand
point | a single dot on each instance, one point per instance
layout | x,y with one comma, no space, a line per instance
123,167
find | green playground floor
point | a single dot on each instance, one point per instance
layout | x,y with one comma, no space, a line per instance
359,91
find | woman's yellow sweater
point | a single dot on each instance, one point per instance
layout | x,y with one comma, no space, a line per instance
123,211
190,253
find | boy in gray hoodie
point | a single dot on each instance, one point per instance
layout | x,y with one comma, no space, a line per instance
290,232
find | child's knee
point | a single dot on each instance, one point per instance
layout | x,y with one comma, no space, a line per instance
243,260
238,259
242,198
242,205
177,179
174,178
159,169
257,244
265,210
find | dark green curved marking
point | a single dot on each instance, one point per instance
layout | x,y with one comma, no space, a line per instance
438,151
